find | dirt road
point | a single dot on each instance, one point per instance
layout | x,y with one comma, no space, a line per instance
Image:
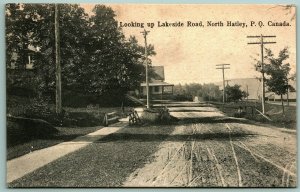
217,151
205,149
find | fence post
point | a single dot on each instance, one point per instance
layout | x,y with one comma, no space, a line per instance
105,120
137,116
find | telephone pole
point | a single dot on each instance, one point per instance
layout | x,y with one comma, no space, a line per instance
145,33
261,43
223,67
247,92
57,61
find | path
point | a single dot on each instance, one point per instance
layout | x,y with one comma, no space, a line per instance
25,164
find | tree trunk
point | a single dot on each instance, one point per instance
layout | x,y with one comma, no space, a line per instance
282,103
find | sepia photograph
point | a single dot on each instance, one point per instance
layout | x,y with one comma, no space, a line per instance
150,95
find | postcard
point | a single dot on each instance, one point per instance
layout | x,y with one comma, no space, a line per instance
151,95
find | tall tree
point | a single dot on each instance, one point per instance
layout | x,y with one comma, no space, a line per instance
116,62
24,34
96,58
278,71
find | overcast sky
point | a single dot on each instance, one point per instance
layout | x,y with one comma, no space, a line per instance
189,54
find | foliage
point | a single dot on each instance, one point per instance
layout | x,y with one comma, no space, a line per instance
209,92
277,71
96,58
234,93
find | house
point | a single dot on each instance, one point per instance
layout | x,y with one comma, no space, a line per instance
158,88
21,76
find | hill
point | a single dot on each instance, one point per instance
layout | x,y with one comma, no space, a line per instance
253,85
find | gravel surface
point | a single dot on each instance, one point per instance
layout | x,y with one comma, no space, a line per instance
216,154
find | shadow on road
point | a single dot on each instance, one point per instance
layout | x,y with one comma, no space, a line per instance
190,110
159,133
163,137
211,120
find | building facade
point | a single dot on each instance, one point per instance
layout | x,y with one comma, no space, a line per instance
158,88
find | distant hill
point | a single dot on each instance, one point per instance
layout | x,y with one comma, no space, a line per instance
254,86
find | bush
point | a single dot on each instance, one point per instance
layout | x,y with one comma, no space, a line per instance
39,108
75,99
21,129
20,91
84,119
42,108
179,97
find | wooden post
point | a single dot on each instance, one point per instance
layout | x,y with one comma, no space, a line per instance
247,92
137,116
287,95
263,74
223,68
162,92
57,61
105,120
145,33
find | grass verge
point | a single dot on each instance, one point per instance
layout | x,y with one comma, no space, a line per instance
273,111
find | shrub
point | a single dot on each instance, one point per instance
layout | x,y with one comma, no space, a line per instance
21,129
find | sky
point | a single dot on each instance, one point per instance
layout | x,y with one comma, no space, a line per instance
190,54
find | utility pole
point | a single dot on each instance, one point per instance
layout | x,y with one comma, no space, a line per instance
261,43
287,92
287,96
247,92
223,67
145,33
57,61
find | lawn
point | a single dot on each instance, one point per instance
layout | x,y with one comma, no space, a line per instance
273,111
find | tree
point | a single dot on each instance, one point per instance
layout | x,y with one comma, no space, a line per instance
137,72
96,58
234,93
24,34
290,10
211,92
116,63
21,26
277,71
